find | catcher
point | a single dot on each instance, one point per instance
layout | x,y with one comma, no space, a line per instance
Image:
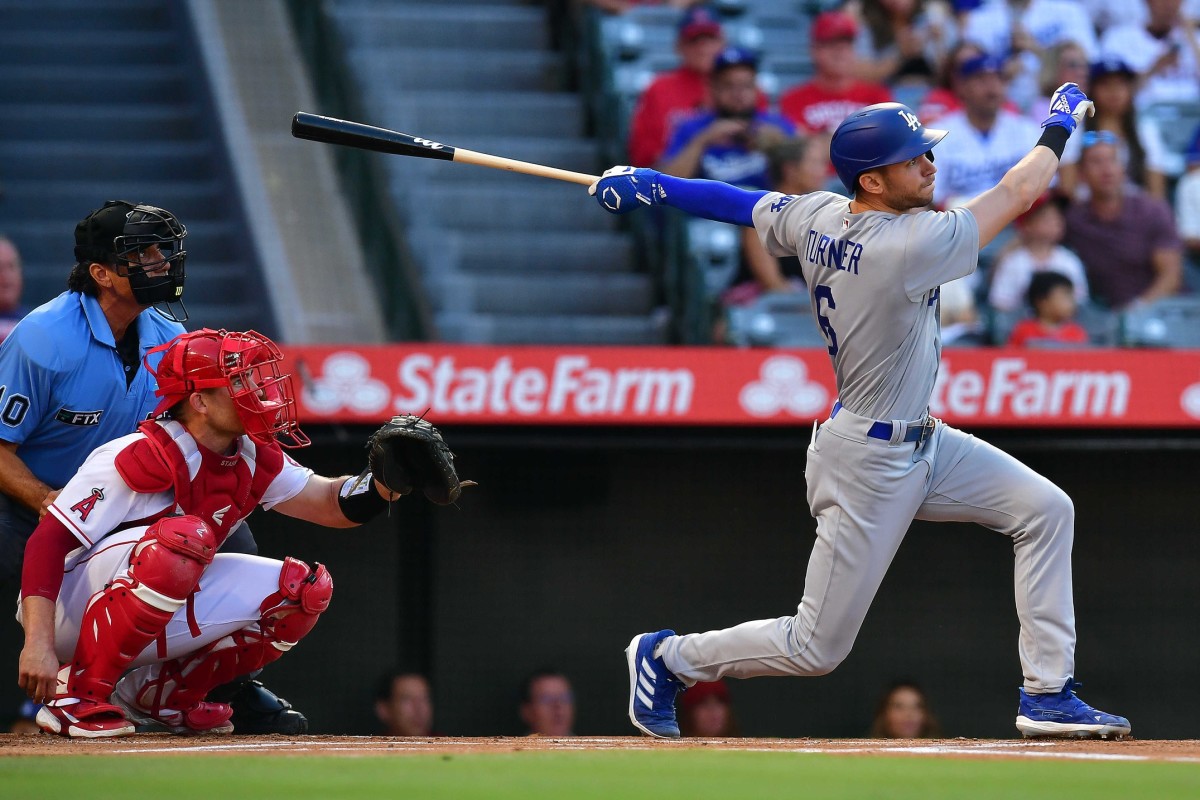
123,581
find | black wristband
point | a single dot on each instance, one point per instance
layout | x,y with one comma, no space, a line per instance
359,501
1055,137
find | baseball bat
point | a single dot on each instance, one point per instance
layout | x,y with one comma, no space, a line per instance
368,137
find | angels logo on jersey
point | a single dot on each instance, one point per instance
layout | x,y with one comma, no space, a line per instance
84,507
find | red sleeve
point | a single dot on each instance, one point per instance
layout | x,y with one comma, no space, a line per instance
1021,332
647,129
42,572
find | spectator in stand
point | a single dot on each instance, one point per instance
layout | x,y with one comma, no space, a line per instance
1125,238
11,285
1187,204
986,140
795,166
1039,249
820,105
942,99
901,41
1018,31
1051,298
547,704
903,713
1065,62
1163,50
729,144
680,92
705,711
1143,152
404,705
1106,14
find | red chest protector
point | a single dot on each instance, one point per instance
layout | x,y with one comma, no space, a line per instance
226,488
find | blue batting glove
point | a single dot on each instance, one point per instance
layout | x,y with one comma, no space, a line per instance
621,189
1068,107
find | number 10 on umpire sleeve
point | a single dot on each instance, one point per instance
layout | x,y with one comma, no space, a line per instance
824,295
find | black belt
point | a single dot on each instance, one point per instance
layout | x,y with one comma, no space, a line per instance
885,430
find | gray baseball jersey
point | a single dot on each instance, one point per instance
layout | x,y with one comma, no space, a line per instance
874,281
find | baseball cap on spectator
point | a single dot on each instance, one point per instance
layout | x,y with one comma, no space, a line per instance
698,21
965,5
981,64
734,57
1110,66
1054,197
832,26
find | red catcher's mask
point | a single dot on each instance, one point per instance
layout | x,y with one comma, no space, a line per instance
247,364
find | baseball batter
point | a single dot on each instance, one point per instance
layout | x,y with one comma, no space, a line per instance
874,264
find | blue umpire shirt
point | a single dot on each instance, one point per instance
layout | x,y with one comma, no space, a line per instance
62,384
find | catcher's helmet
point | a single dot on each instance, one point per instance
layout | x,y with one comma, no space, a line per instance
247,364
123,234
878,135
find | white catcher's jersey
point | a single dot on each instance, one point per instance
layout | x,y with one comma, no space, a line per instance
97,500
874,280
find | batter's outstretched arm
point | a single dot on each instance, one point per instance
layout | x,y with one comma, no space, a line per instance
623,189
1025,182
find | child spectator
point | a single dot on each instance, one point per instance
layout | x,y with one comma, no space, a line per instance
705,710
1040,231
903,713
1051,296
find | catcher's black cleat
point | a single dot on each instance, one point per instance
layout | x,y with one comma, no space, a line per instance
257,710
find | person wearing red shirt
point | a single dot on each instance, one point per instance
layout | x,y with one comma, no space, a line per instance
819,106
680,92
1052,297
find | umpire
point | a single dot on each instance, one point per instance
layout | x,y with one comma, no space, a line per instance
71,379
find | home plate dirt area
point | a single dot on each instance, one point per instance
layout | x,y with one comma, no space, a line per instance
1130,750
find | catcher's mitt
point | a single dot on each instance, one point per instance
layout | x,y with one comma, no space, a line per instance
409,453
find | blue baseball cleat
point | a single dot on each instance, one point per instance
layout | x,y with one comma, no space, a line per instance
652,687
1063,714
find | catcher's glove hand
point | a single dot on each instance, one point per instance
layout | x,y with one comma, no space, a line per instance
409,453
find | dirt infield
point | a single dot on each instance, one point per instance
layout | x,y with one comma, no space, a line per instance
1187,751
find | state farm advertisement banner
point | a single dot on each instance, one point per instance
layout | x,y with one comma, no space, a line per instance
717,386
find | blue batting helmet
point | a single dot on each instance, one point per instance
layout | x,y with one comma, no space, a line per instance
878,135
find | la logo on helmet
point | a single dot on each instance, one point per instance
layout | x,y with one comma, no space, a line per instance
910,118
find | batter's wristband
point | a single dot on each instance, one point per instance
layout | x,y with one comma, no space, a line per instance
1055,137
358,499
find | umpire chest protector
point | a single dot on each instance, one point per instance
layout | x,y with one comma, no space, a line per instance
224,489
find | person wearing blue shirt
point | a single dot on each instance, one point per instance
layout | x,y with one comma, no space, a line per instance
72,378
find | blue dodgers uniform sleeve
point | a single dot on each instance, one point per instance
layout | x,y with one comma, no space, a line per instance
710,199
26,375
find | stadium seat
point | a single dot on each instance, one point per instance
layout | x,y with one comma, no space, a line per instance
714,251
1170,322
774,320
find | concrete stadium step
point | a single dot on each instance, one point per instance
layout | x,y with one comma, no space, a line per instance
542,206
527,329
70,84
440,25
189,200
141,48
52,242
449,69
96,16
581,293
549,251
28,159
541,114
105,122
